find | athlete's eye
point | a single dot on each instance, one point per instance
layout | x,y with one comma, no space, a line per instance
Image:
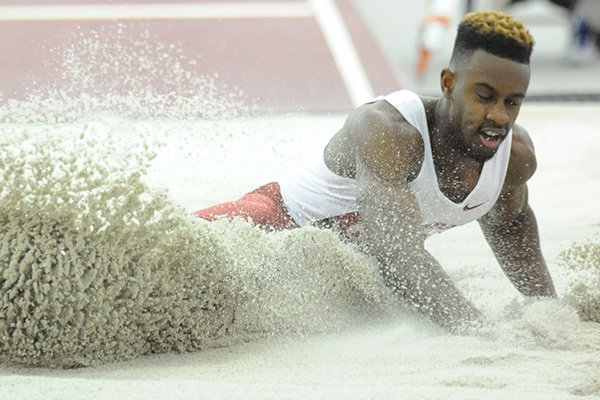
484,96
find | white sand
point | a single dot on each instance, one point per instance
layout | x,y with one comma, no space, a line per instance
539,351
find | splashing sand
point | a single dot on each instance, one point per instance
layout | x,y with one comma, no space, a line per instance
118,70
98,267
582,263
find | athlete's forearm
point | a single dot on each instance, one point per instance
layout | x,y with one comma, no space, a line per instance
516,246
422,282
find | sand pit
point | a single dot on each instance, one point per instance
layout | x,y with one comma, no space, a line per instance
291,315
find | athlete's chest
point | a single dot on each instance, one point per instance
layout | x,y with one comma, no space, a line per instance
458,181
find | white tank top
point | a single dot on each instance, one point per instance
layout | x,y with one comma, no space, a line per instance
313,193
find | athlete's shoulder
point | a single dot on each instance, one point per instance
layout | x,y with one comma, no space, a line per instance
386,142
523,162
381,122
380,114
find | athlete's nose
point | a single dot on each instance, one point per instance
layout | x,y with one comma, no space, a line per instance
498,114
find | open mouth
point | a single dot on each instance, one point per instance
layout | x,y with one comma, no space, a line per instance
491,137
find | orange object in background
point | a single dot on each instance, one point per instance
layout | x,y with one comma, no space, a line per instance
433,30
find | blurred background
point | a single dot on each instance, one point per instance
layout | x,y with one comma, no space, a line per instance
565,61
279,56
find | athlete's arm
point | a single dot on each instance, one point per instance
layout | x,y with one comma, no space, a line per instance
511,229
385,158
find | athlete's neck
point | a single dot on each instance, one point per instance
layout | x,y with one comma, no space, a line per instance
456,170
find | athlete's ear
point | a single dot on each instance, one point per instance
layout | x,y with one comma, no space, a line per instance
447,82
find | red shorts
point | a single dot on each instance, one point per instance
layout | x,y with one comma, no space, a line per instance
263,206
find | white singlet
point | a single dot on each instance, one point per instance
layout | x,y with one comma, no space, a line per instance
313,193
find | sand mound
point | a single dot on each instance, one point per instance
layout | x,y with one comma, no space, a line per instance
582,262
96,267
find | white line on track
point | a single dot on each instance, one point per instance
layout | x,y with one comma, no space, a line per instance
342,48
289,9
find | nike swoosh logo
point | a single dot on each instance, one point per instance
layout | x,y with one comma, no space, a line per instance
469,208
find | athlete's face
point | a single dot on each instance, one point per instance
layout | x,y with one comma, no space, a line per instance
485,94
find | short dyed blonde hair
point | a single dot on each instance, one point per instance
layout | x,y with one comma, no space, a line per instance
495,32
500,23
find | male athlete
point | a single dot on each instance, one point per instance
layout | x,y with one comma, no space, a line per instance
404,166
